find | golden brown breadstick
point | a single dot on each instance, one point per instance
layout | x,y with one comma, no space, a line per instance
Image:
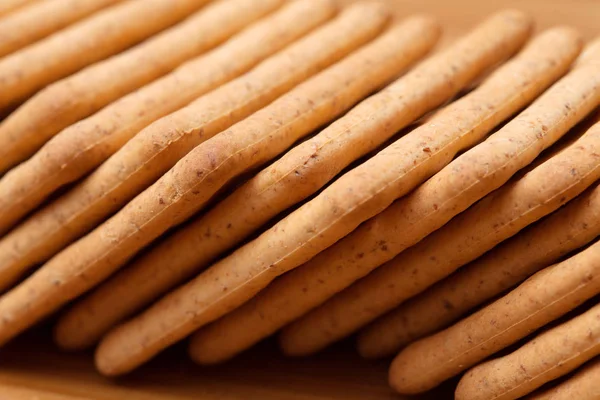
286,299
464,181
103,34
591,53
314,226
539,300
583,385
9,6
546,357
83,146
313,103
80,95
498,216
40,19
179,193
575,225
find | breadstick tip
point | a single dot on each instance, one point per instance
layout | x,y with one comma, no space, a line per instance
564,33
429,22
591,53
375,7
103,363
396,377
518,18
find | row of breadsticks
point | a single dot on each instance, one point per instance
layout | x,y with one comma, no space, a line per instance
149,151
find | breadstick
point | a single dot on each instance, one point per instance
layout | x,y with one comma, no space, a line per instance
276,188
498,270
567,140
179,193
484,225
80,95
9,6
311,228
539,300
583,385
83,146
40,19
310,105
591,53
286,299
546,357
467,179
103,34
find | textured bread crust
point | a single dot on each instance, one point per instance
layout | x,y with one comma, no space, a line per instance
463,122
484,225
455,188
262,135
77,96
86,144
41,19
323,220
179,193
548,356
582,385
105,33
10,6
538,301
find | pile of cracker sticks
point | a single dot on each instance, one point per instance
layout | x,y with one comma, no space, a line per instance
228,170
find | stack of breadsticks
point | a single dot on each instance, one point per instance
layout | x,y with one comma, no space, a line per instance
225,170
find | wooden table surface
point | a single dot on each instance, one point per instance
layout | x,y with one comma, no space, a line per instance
30,368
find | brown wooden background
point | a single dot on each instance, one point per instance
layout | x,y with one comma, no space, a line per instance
31,369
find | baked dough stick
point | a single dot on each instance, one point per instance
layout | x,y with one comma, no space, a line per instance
283,184
159,146
40,19
80,95
591,53
538,301
9,6
292,295
467,179
81,147
547,356
481,227
101,35
237,278
300,111
179,193
511,262
583,385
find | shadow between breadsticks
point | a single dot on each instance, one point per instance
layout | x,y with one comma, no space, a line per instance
320,222
503,267
83,146
550,354
582,385
248,144
38,20
103,34
157,148
495,218
10,6
583,154
455,188
463,123
179,193
77,96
